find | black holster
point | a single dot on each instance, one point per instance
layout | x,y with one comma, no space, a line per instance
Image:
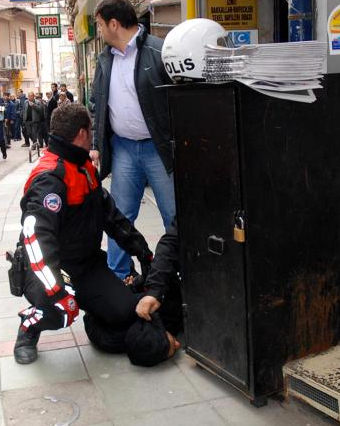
17,271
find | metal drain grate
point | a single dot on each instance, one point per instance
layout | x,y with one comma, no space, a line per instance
314,394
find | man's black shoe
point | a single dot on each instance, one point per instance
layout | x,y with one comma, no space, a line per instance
8,146
25,144
25,349
4,155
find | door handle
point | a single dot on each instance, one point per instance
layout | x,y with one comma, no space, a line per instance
216,245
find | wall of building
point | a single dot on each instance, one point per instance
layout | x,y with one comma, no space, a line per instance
11,23
265,20
166,15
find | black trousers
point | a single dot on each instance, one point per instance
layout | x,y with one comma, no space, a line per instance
42,134
101,293
97,291
2,138
24,131
32,130
111,338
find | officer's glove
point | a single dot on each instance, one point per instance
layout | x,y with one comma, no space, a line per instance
145,259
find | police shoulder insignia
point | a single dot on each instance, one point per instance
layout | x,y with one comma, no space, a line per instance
52,202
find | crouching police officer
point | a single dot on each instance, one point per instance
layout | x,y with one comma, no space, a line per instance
64,213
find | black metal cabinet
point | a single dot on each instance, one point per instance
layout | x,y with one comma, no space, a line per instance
250,307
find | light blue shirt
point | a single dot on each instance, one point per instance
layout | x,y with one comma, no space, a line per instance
126,117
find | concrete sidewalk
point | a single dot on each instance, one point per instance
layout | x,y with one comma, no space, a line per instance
105,390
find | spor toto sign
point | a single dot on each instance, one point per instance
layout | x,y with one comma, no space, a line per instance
48,26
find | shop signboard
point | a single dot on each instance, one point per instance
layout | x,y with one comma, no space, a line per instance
70,34
233,14
48,26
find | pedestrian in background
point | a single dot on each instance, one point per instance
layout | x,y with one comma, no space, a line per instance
22,98
52,104
32,116
63,89
42,131
2,130
55,93
9,118
63,99
16,130
82,84
132,126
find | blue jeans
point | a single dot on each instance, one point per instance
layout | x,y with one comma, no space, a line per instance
133,164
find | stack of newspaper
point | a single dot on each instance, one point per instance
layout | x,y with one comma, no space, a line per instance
283,70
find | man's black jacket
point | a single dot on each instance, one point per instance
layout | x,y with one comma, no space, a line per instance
165,265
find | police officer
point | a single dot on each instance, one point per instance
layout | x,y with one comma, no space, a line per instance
64,213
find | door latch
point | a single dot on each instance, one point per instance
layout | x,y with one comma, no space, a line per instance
216,245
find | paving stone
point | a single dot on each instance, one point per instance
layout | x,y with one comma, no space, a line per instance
4,289
9,329
3,275
9,307
100,364
139,391
201,414
237,411
59,366
29,407
206,384
2,420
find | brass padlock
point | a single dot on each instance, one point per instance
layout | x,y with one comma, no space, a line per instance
239,234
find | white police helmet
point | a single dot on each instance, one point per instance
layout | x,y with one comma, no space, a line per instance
183,48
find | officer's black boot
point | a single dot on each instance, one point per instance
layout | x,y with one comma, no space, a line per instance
25,349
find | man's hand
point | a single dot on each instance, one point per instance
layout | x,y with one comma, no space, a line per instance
94,155
146,306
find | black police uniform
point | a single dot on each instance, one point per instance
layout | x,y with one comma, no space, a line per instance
64,213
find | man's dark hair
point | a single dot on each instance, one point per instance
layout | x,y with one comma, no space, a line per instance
63,85
122,10
67,120
6,94
146,342
54,85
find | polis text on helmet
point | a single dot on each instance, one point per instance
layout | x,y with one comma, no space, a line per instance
179,67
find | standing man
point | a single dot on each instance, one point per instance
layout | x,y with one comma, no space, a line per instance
32,114
16,131
2,130
54,88
52,104
63,89
9,118
22,98
42,130
132,133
